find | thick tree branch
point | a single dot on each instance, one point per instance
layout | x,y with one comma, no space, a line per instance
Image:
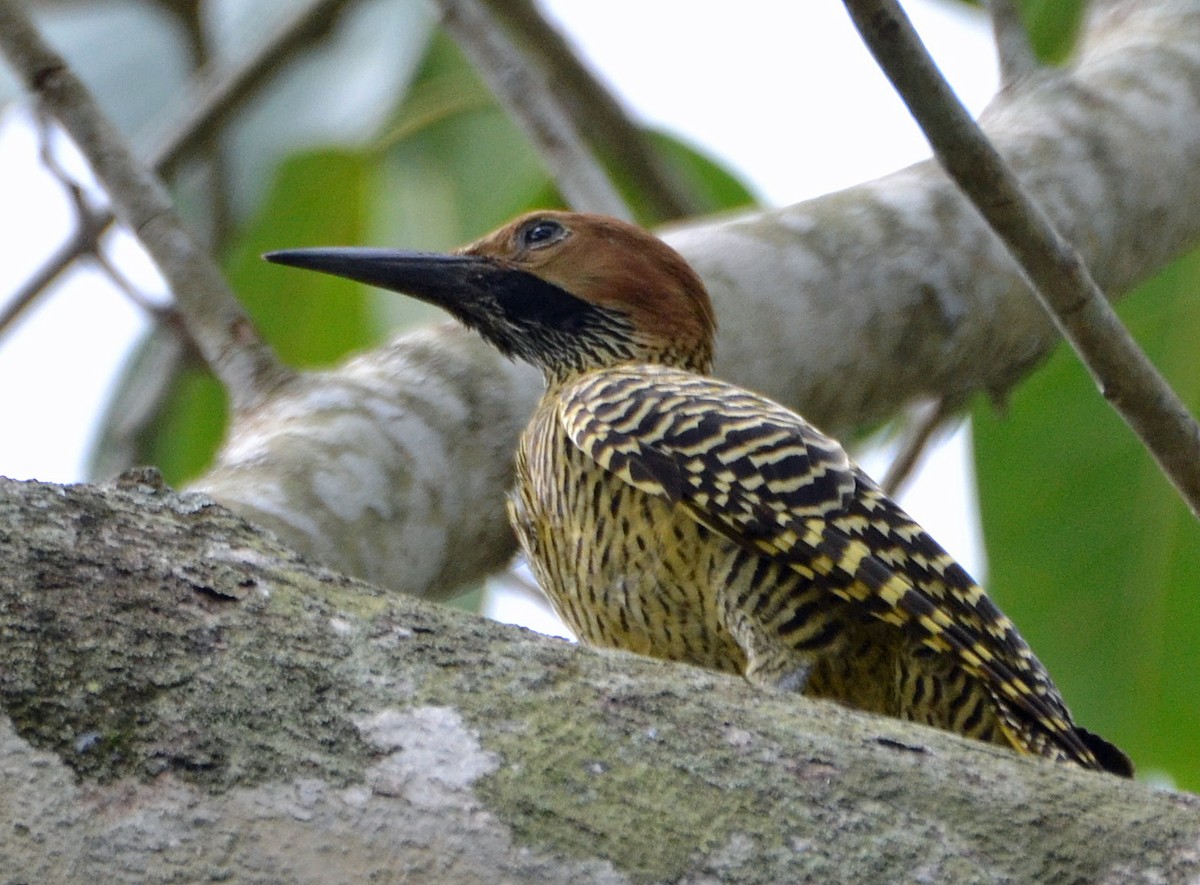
392,468
184,698
1059,276
227,339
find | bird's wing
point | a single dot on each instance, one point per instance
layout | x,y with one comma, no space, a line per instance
763,477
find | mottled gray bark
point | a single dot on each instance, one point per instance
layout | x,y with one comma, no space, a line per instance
184,699
846,307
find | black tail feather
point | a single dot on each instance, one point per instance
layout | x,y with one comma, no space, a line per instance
1110,758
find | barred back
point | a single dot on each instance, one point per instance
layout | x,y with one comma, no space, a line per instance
768,535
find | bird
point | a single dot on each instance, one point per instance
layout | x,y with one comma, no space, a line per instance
670,513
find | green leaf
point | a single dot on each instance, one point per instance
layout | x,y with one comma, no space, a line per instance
714,188
319,198
1053,26
455,165
1092,553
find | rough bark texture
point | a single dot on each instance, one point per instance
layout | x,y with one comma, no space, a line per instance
845,307
186,700
392,468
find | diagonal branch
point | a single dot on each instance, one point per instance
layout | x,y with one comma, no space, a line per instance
204,105
598,115
1013,47
212,94
525,95
1058,275
227,339
90,222
925,423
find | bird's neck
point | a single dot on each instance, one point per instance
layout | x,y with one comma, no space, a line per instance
559,376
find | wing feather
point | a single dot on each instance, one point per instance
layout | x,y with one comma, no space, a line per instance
763,477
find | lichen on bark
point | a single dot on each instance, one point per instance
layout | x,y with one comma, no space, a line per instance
190,699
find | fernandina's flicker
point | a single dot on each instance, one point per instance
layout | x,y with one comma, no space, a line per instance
669,513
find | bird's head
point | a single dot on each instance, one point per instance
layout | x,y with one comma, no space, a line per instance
567,292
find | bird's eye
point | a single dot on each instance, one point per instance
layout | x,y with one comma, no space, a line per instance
542,233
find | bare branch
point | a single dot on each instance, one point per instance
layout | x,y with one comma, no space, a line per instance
219,90
651,186
1013,48
205,104
89,220
1063,284
213,168
80,243
90,224
526,96
925,424
231,346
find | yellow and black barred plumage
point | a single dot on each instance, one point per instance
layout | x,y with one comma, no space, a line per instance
676,515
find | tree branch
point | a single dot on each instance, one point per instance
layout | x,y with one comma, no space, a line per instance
393,467
649,186
924,424
1059,276
90,222
219,90
212,95
227,339
183,697
1013,47
522,91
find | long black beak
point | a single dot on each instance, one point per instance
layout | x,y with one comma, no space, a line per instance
445,280
511,308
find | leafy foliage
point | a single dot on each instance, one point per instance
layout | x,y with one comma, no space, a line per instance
1091,551
1053,26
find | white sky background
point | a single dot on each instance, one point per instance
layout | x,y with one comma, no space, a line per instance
782,92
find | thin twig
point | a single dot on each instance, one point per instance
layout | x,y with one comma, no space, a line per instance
88,218
1014,50
81,242
246,366
218,90
90,223
204,105
1055,271
924,428
526,96
213,168
614,137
